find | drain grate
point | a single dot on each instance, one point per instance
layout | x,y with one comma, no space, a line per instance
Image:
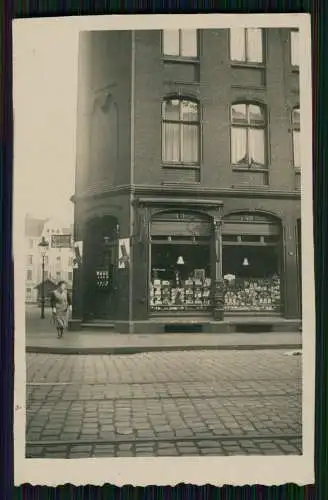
183,328
254,328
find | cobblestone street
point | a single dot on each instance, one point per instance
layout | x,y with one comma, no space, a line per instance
164,404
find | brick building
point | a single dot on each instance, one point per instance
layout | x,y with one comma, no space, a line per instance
188,165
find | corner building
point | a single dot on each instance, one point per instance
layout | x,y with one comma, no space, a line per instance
187,195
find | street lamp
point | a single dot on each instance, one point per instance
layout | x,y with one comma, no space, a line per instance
43,245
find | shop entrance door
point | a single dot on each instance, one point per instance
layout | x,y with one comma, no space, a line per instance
99,283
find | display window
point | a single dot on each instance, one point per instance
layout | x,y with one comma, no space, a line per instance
252,276
180,276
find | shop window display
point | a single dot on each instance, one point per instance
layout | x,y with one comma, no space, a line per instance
252,279
180,278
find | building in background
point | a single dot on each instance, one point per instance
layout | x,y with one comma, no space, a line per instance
187,195
58,261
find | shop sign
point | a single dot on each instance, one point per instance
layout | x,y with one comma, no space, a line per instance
61,240
78,250
123,253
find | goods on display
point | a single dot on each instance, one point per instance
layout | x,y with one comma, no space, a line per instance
253,294
174,295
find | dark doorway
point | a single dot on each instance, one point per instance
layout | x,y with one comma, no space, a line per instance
100,270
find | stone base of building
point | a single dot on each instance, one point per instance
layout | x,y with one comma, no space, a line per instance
193,325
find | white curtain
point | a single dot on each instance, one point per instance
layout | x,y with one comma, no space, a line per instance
237,44
189,43
189,138
295,48
238,145
170,42
256,146
254,45
171,142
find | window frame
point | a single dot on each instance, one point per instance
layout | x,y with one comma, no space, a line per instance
29,275
180,56
197,124
296,127
246,61
252,167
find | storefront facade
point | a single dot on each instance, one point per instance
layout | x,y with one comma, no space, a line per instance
190,260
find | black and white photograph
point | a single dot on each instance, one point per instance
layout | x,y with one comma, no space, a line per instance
163,246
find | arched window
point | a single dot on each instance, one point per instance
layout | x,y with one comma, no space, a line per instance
296,137
180,131
248,136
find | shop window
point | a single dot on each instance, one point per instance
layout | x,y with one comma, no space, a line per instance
294,48
180,131
180,43
296,137
248,136
246,45
180,263
180,277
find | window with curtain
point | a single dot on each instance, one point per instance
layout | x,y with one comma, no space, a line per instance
180,131
248,136
180,43
296,137
246,45
294,48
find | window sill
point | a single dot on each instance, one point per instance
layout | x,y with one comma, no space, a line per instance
178,82
250,169
253,87
181,59
181,166
247,65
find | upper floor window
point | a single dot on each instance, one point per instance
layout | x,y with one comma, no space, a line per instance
180,43
180,131
30,243
29,275
246,45
248,136
294,48
296,137
30,260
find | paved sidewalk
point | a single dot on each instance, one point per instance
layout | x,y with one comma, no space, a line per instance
93,342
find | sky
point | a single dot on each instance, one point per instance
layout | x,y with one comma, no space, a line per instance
45,97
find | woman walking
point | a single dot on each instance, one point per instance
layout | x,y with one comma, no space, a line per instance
61,304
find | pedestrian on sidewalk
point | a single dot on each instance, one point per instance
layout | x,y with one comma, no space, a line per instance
61,304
